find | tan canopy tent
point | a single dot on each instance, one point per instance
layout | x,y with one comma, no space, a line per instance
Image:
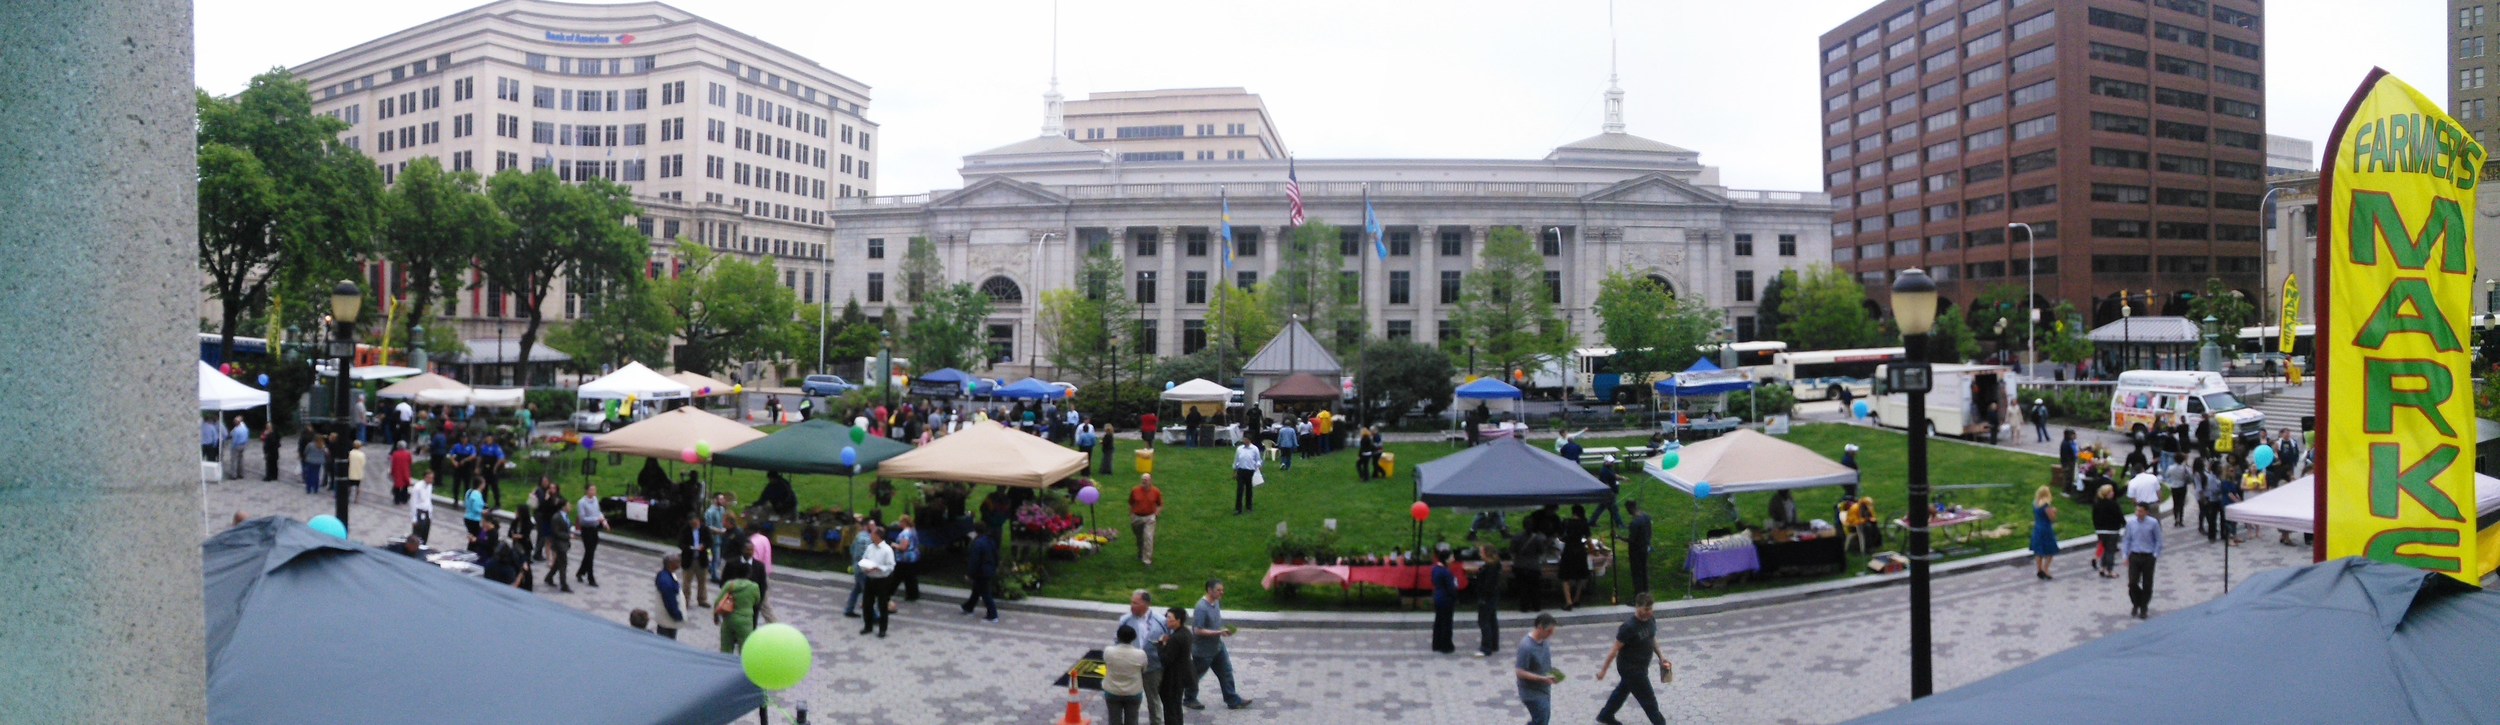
411,387
1746,461
700,382
669,434
986,453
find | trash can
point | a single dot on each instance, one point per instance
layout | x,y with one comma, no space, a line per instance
1145,461
1388,465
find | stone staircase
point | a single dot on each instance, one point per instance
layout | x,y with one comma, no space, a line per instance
2285,406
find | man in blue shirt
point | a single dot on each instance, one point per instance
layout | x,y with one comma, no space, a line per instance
210,436
590,521
859,550
1151,631
473,513
981,565
907,560
1534,667
1287,441
490,461
2141,540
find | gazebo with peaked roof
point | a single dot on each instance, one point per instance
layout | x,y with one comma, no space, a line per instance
1293,350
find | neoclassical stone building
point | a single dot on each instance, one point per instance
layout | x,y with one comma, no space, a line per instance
1029,211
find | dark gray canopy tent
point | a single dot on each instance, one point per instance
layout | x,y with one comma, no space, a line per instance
305,628
1506,473
2371,643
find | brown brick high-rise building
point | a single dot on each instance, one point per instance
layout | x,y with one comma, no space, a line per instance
2129,135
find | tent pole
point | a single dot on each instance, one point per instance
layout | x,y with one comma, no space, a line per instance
1614,593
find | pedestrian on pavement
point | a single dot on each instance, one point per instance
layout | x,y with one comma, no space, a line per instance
464,464
1444,606
2040,418
2176,479
735,611
239,439
859,575
421,509
669,617
1145,503
314,454
1573,569
2068,454
2142,540
2145,488
877,563
2043,532
269,454
473,512
1208,653
558,537
1636,543
1635,642
716,530
1123,678
403,464
591,522
1288,443
1488,586
1153,632
1535,670
545,502
907,559
981,566
691,551
2107,520
1172,662
210,438
1245,469
356,471
404,417
772,409
490,458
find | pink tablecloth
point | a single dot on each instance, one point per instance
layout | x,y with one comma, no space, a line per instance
1402,578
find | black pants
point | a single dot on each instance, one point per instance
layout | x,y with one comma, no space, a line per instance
907,578
590,555
1106,456
1636,686
208,451
1530,589
2109,551
269,458
1241,489
983,593
2179,506
494,484
1444,621
1176,683
666,632
2209,519
2140,580
1365,465
1489,622
1640,568
422,527
873,616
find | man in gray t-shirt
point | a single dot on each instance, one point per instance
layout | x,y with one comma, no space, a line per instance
1207,649
1535,668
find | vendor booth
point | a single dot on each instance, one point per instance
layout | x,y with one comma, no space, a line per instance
704,385
1747,461
2293,507
218,392
1302,388
1200,394
362,373
990,454
942,384
670,435
1030,389
306,628
1703,378
634,381
409,388
1510,474
479,397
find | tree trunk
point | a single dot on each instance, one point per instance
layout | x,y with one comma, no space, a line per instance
529,338
232,316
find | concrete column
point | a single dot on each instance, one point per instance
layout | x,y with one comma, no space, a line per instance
1168,298
99,306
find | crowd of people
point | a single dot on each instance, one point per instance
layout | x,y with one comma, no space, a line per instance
2168,461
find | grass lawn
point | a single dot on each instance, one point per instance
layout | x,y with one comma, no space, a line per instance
1198,536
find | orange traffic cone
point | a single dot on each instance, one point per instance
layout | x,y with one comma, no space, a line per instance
1076,712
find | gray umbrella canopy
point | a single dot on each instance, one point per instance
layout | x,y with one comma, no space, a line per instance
2368,643
1507,473
305,628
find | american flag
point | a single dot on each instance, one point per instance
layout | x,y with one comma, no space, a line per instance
1293,191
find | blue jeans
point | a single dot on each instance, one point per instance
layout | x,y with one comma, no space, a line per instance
312,478
1221,663
1540,706
859,584
1287,454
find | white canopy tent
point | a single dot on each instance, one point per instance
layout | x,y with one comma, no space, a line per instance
1745,461
381,372
408,389
480,397
703,385
2293,506
634,381
1200,390
218,392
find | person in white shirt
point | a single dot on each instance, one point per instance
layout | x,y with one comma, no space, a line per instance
407,421
878,564
1123,680
1245,466
421,509
2145,488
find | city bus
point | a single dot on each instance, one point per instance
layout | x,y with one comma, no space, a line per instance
1595,377
1822,374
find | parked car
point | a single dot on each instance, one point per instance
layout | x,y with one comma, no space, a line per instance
1067,390
2262,363
593,417
826,385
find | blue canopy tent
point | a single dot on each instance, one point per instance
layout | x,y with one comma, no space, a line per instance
1030,389
1704,378
1489,389
947,383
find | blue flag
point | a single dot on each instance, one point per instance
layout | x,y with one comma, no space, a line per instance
1371,226
1224,226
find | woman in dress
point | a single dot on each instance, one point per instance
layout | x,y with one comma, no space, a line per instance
2043,532
741,594
1574,568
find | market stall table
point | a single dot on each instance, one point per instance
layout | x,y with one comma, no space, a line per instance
1967,520
1401,577
1722,556
1823,554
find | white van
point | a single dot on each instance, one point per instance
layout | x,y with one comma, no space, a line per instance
1954,405
2147,398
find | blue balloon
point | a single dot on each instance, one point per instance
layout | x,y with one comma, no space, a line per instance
2263,457
1859,408
1701,490
589,442
850,456
264,380
1167,385
328,524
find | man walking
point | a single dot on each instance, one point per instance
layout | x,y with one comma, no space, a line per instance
1245,467
877,565
1635,641
669,617
1288,443
403,465
2142,542
859,575
2175,478
1489,602
239,439
1145,502
2040,418
1152,628
591,521
981,565
1637,545
210,438
1207,651
1444,606
1534,668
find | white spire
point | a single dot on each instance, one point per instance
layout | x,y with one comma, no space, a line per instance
1054,120
1614,90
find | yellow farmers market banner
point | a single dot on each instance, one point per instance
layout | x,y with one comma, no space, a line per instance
2395,298
2291,310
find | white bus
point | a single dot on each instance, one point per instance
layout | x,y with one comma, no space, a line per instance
1822,374
1596,378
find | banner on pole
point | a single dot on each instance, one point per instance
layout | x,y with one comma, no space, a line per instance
2291,309
2396,275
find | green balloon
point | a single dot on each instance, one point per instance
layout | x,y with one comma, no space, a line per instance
776,657
1667,460
703,450
859,435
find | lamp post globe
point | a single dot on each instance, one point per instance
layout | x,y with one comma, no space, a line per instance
1914,313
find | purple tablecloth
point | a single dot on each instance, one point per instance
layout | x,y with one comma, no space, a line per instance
1721,561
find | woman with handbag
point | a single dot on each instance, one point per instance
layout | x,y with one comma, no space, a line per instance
735,612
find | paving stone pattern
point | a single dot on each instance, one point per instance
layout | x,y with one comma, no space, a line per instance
1818,660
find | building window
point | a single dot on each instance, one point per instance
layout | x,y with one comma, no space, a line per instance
876,287
1744,245
1194,287
876,248
1788,245
1401,244
1145,288
1246,279
1194,244
1148,336
1401,329
1146,243
1551,241
1401,284
1349,241
1193,336
1744,285
1553,286
1450,286
1245,242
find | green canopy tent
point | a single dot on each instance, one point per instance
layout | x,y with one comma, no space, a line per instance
814,446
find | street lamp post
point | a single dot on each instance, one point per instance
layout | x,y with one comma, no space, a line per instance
2031,273
2209,357
345,300
885,361
1914,312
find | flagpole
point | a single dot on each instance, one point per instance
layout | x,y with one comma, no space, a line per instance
1363,314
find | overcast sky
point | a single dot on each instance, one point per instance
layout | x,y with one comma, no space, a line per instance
1737,81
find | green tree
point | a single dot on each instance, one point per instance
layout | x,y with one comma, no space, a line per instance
435,225
1398,375
1826,311
1089,325
1650,330
1998,315
946,329
285,207
1504,307
1769,315
574,230
923,272
2064,339
730,310
1311,284
622,322
1952,340
854,335
2230,311
1239,322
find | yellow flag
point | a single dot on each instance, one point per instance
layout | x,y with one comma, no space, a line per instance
2291,308
2395,441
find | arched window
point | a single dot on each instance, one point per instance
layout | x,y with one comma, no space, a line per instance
1002,291
1662,284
